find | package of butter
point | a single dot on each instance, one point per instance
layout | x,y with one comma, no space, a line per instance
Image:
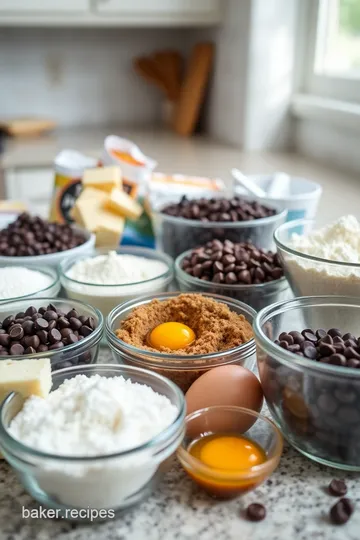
169,188
136,170
69,166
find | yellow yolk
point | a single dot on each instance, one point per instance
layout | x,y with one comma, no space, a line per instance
228,452
171,335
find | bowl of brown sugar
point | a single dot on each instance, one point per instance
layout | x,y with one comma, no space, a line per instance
180,336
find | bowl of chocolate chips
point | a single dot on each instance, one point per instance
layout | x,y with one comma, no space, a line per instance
66,331
239,270
308,353
33,241
189,223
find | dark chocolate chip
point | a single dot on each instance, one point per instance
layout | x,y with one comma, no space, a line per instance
256,512
341,512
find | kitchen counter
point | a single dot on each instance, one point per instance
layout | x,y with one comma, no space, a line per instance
197,155
295,498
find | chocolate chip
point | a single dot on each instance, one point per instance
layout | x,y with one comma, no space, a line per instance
30,350
41,324
50,315
63,323
341,512
57,345
4,340
42,348
54,335
30,311
28,327
337,488
333,332
85,330
42,336
256,512
16,332
16,349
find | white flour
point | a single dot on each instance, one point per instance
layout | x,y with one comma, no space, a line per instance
338,242
18,281
94,416
109,280
116,269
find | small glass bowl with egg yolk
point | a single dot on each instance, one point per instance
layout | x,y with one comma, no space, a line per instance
228,450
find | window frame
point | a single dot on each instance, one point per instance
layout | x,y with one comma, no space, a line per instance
340,87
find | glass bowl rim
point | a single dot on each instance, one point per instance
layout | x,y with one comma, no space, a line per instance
198,465
146,356
224,224
170,430
182,275
288,358
298,223
90,339
51,271
126,250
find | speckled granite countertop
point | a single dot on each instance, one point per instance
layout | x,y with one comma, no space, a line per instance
295,497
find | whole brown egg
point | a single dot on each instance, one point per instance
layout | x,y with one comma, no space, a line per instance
225,385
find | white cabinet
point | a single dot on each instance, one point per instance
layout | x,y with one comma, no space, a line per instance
162,7
111,13
34,186
44,6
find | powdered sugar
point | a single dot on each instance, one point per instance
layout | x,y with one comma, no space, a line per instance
18,281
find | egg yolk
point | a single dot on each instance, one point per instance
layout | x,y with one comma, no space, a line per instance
228,452
171,335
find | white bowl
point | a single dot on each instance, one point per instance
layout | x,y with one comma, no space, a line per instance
53,259
301,196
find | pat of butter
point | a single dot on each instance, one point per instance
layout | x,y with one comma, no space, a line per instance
86,211
103,178
27,377
107,237
122,204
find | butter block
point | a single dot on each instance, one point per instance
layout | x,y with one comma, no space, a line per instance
107,237
103,178
86,210
28,377
120,203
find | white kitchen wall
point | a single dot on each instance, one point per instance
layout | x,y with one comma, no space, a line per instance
81,76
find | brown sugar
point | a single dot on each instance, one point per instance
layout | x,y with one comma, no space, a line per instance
216,327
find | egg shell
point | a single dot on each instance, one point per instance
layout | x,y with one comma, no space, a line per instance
225,385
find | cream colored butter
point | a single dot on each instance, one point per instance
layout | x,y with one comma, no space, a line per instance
103,178
122,204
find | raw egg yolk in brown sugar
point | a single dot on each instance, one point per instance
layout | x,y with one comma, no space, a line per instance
171,335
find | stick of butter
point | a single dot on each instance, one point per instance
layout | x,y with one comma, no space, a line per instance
28,377
107,237
103,178
120,203
86,211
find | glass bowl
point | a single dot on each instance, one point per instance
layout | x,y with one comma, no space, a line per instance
51,290
309,275
227,421
256,296
82,352
174,235
181,369
107,297
113,481
316,405
52,259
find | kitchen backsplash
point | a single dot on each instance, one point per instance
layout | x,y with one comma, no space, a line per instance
82,76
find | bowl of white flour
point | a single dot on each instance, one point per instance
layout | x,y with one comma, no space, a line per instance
106,279
101,439
19,282
321,261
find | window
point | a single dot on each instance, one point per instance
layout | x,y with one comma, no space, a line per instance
331,36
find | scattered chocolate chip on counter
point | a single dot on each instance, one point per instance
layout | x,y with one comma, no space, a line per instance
328,347
256,512
46,329
337,488
32,235
232,263
342,511
218,210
